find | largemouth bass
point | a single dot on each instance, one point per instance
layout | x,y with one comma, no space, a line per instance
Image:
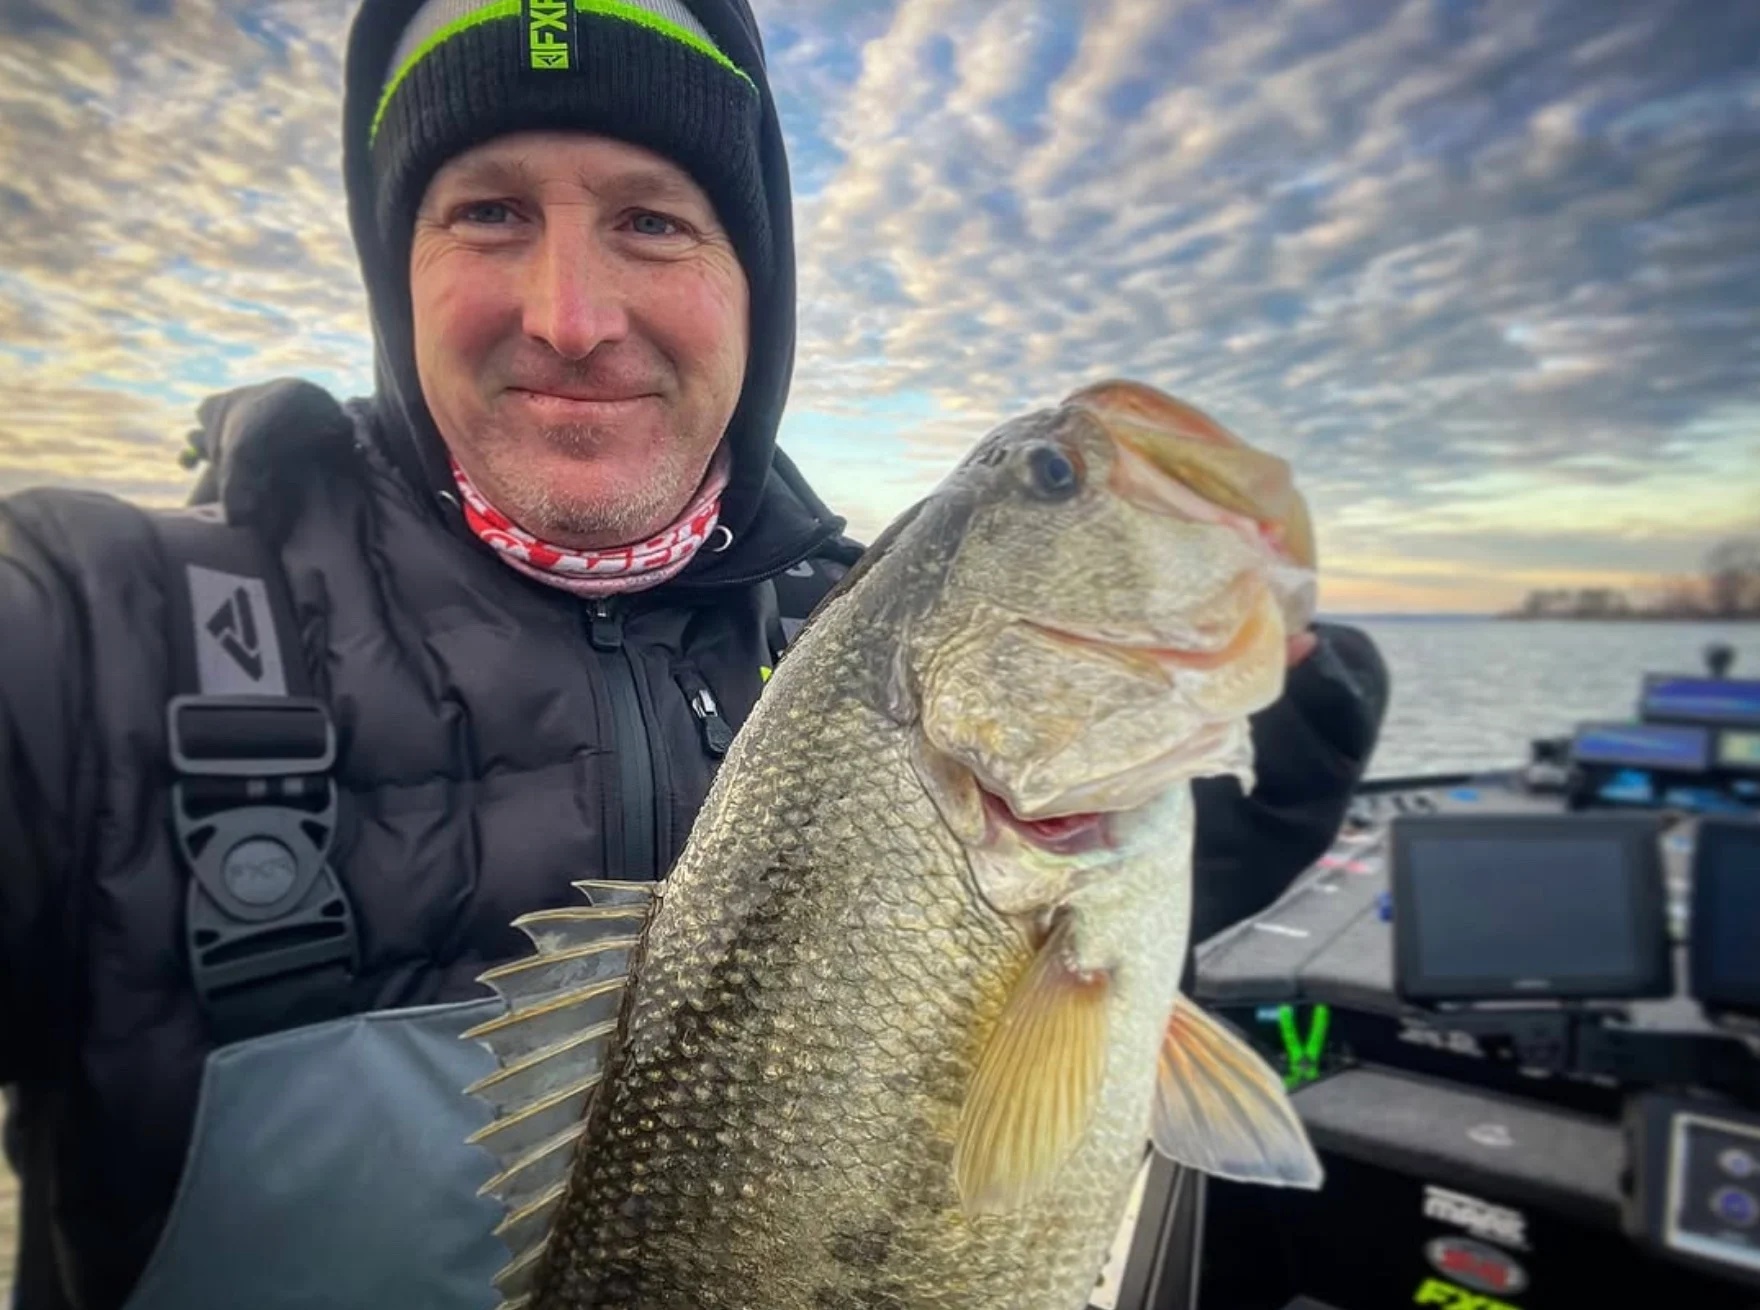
899,1026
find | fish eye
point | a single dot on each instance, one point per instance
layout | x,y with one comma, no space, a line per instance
1055,475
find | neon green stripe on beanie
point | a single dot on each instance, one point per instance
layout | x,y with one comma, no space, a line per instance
458,16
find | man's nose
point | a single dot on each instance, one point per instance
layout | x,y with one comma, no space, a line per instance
574,301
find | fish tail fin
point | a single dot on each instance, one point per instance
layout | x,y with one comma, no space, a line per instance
551,1045
1221,1109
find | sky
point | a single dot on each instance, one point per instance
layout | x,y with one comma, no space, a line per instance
1487,274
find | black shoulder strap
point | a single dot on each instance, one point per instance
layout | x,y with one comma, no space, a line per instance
790,596
270,934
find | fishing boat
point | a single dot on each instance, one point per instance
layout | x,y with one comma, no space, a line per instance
1519,1013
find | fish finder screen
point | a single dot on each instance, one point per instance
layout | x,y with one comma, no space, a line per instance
1733,701
1643,746
1726,916
1552,910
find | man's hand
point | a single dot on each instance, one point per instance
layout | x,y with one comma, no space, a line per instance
1301,646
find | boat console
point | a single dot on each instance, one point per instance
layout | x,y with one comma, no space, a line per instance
1519,1013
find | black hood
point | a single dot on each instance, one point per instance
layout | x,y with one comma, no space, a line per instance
411,437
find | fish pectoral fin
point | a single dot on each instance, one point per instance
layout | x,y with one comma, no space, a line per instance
1035,1085
1221,1109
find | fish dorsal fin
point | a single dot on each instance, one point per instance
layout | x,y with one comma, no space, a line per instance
514,1282
551,1046
639,894
1035,1085
527,983
533,1174
527,1230
1221,1109
579,925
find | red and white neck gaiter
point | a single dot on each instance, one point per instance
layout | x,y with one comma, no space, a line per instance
601,572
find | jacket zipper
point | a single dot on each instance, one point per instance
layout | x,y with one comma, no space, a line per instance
629,744
717,734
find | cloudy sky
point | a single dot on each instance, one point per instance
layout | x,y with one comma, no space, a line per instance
1487,273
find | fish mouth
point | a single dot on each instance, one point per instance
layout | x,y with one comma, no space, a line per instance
1135,785
1175,458
1081,833
1080,820
1240,596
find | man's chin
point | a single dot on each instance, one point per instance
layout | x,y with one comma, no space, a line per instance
583,505
586,485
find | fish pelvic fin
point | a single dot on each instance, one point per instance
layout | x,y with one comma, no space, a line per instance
551,1045
1035,1085
1221,1109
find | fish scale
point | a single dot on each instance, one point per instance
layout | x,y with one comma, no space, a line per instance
874,1050
825,1057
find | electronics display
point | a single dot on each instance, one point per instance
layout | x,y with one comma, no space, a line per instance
1697,1176
1725,955
1738,751
1579,936
1671,747
1732,702
1528,906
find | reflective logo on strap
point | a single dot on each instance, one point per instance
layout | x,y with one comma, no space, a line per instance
236,650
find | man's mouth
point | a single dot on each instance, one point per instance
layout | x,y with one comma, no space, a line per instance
566,396
578,408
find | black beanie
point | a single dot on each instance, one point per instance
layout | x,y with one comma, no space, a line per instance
643,71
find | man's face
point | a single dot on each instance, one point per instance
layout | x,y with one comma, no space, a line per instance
580,331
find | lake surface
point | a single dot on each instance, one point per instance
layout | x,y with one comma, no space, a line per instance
1470,693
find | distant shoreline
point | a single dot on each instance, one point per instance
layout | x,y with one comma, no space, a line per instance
1434,616
1637,617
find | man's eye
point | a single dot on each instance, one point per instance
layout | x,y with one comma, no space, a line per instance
490,213
655,225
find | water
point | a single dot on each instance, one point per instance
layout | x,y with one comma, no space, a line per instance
1470,693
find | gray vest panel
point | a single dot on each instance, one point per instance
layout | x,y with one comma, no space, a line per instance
329,1168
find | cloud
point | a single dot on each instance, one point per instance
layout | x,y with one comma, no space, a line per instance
1399,243
173,180
1480,271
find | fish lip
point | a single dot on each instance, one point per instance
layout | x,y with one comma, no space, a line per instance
1167,658
1259,500
1138,784
1162,656
1079,833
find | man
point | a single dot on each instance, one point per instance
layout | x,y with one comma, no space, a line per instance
511,609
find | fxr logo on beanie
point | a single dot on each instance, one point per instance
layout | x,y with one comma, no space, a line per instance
550,33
